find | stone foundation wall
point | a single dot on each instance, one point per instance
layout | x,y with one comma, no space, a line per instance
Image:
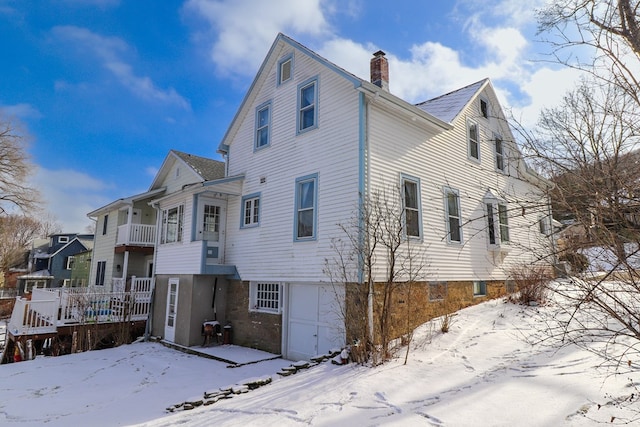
262,331
412,305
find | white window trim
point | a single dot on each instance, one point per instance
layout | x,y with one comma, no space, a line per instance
480,293
499,156
180,224
471,123
70,261
63,239
486,101
408,178
447,191
254,305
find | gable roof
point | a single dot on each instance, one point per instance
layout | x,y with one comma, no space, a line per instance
205,169
359,84
447,107
84,242
125,201
208,169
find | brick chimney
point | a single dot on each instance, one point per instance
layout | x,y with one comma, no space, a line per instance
380,70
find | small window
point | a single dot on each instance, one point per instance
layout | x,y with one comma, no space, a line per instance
101,268
250,211
543,225
454,223
504,223
474,141
172,221
285,68
265,297
411,206
263,124
479,288
308,106
484,108
63,239
491,224
70,262
499,149
510,286
105,222
437,291
306,208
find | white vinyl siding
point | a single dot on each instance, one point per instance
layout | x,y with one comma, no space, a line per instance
270,252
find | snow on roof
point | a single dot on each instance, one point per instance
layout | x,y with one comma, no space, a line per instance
446,107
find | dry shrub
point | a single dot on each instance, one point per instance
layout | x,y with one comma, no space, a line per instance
531,284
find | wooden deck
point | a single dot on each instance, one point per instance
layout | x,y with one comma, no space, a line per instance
59,312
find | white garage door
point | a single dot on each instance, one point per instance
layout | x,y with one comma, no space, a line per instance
315,323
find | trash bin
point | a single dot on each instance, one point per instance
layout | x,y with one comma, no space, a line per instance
226,336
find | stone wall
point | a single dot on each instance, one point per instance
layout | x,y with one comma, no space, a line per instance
262,331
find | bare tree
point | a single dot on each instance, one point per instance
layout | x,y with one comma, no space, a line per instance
15,168
16,234
375,262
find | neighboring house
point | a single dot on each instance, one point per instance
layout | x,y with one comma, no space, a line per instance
51,263
307,143
81,268
124,240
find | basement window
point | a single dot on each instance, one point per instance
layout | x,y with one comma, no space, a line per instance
265,297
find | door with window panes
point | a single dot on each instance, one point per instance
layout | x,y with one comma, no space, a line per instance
211,214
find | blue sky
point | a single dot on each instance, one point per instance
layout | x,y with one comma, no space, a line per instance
105,88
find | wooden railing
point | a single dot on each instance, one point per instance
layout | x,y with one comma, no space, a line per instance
50,308
136,234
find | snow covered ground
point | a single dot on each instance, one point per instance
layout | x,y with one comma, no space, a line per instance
482,373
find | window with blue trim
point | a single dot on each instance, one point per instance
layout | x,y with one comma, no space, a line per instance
499,150
308,106
285,69
411,206
250,211
454,223
306,207
263,125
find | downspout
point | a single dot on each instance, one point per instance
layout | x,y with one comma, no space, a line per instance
364,182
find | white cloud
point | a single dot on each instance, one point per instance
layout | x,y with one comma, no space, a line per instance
245,29
20,111
109,51
69,195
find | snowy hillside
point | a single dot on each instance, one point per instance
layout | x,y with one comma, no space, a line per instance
482,373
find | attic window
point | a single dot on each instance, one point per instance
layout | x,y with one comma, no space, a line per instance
63,239
484,108
285,69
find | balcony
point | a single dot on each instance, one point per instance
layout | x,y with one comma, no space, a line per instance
136,235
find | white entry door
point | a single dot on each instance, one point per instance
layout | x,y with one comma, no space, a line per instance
211,215
172,310
315,322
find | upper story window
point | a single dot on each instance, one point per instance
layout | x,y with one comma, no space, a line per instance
484,108
306,208
250,211
454,223
172,222
474,140
105,222
263,125
500,157
504,223
412,209
63,239
285,69
70,262
308,106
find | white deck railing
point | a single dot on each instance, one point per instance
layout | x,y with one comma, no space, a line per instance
136,234
50,308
